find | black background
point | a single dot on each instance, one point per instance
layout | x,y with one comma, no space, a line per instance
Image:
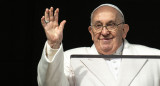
23,37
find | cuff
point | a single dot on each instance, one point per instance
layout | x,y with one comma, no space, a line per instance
50,52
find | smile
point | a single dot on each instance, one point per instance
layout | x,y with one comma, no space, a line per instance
106,40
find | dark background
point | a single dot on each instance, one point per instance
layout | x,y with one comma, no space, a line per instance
23,37
143,18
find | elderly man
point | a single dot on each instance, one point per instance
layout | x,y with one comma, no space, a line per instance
108,31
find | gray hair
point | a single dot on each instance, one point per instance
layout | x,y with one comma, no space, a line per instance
110,5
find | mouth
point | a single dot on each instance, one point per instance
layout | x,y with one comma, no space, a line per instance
106,40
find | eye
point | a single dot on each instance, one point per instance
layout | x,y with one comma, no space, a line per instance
111,24
98,26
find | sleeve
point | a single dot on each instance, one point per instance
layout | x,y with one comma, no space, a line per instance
50,52
51,71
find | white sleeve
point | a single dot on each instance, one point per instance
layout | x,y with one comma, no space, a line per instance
50,52
51,71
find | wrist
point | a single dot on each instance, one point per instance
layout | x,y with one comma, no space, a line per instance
54,45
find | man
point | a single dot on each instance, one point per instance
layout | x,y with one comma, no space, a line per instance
108,31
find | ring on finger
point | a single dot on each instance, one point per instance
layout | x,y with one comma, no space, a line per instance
46,21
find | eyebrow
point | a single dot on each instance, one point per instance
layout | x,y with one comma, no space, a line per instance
111,21
98,22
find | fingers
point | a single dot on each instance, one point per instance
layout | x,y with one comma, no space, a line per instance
51,14
46,15
49,17
56,15
43,21
61,26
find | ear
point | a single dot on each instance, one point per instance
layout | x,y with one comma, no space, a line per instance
90,31
125,30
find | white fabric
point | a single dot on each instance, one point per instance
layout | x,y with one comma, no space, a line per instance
110,5
50,52
95,72
114,65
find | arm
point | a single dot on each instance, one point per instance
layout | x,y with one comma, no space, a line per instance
51,72
51,66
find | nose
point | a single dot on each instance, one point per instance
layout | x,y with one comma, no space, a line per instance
105,31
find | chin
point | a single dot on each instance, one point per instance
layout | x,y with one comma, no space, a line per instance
105,47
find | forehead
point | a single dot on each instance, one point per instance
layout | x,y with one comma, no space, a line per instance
104,14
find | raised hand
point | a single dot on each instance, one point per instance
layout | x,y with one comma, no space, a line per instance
53,30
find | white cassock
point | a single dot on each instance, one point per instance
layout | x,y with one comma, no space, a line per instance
54,68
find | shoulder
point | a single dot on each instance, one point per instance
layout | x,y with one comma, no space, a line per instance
143,50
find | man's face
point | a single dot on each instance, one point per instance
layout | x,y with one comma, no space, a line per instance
107,42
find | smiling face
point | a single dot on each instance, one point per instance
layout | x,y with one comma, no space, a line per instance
107,42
